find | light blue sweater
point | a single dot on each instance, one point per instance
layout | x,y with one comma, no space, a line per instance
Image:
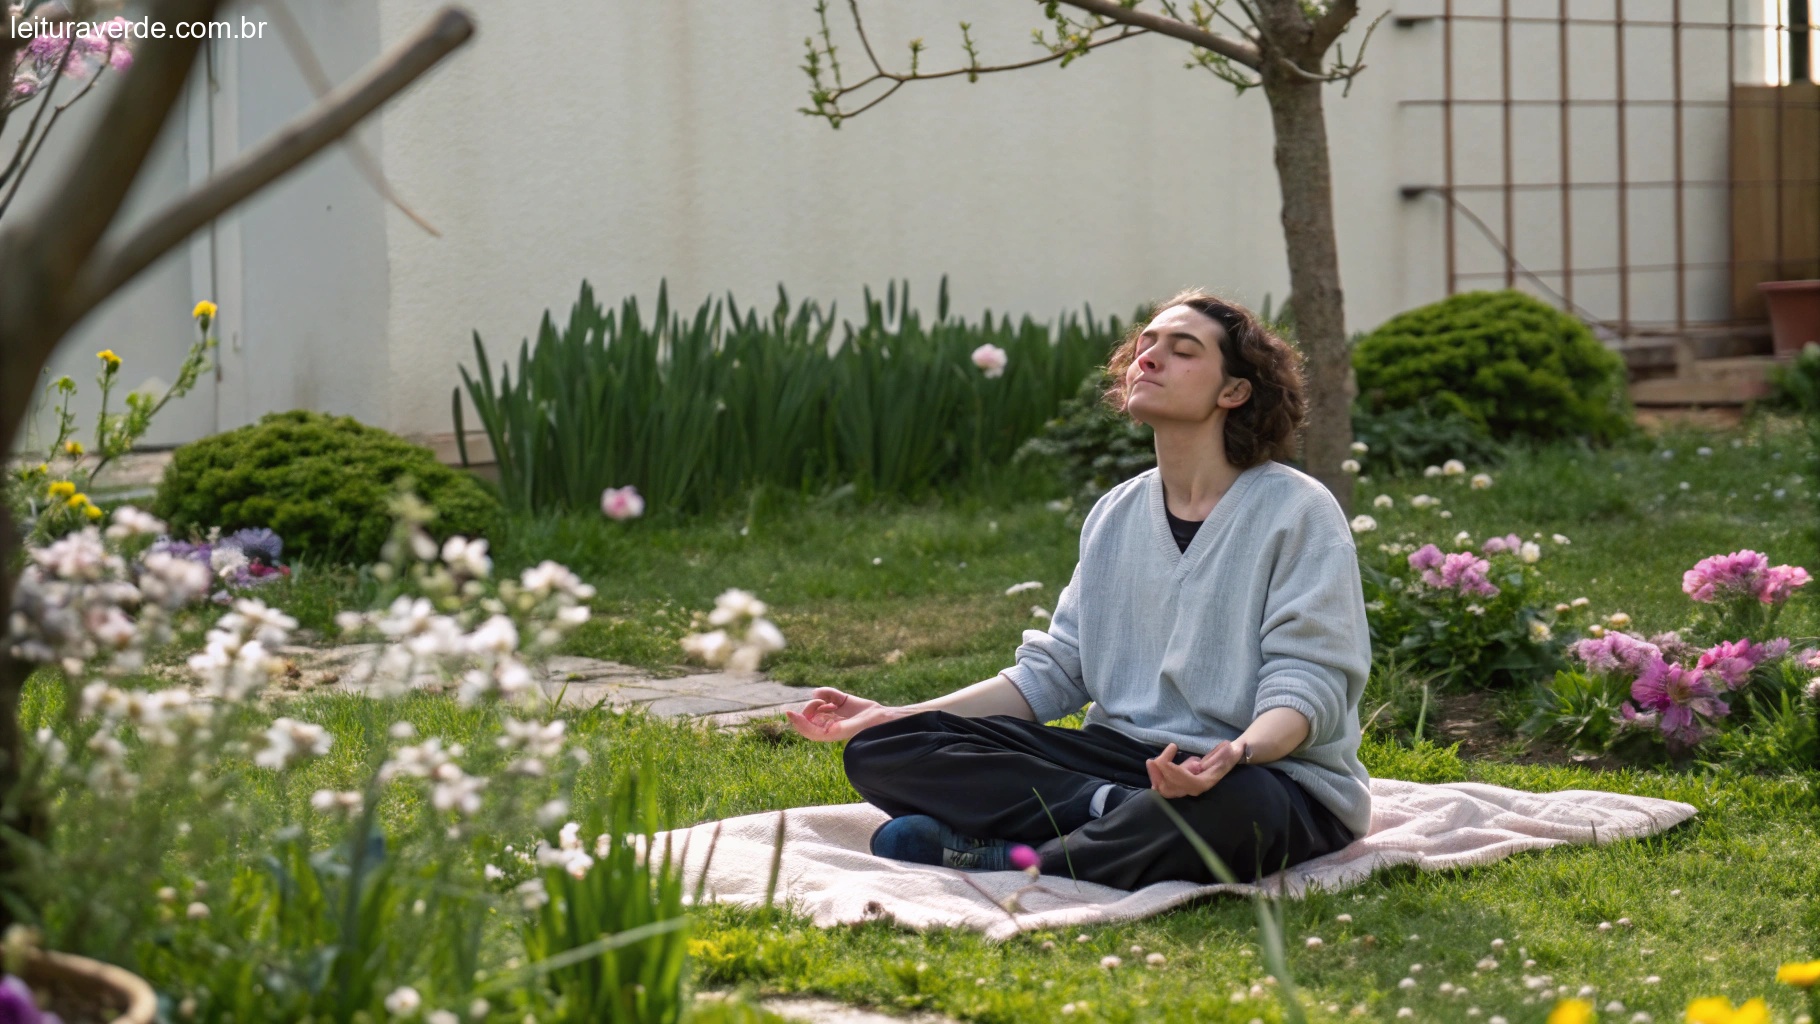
1263,610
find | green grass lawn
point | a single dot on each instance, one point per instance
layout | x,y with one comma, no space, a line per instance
904,603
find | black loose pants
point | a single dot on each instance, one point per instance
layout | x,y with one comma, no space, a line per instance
983,778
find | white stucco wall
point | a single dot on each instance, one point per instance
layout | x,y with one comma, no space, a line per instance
627,143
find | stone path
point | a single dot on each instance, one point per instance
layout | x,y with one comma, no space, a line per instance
719,699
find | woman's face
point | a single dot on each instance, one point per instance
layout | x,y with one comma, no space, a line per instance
1178,372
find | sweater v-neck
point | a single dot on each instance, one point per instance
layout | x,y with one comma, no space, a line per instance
1181,559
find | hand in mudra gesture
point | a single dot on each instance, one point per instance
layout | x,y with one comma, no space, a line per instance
834,715
1194,776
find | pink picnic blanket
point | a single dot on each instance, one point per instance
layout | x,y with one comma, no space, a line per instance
827,873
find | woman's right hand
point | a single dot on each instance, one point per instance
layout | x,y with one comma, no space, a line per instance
834,715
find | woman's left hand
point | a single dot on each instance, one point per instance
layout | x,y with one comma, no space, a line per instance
1194,776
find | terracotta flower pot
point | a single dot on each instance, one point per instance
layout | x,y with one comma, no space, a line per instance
84,991
1794,313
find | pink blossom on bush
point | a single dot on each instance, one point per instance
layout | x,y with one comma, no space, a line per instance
1739,574
1462,571
1510,542
1616,651
1425,557
1674,648
1678,693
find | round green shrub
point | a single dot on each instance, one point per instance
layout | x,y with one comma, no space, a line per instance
1505,360
321,482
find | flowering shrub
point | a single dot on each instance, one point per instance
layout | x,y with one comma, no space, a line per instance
1682,691
49,494
341,912
82,50
1474,616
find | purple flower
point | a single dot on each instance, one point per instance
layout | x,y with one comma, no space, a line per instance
1616,651
1023,857
1425,557
257,544
1674,648
1678,694
17,1005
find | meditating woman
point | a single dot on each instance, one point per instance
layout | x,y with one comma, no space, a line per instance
1216,622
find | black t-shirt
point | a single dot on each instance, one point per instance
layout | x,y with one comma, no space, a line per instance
1183,529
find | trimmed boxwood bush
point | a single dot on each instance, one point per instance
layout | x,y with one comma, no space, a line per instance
320,481
1506,360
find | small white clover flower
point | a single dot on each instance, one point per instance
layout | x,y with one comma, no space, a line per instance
1350,466
1530,552
1382,501
1360,448
1480,481
1431,471
1363,523
1018,588
1453,467
1110,962
403,1002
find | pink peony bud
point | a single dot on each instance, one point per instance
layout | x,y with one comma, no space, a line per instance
1023,857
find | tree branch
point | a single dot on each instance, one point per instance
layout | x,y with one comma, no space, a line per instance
1242,52
304,137
1329,26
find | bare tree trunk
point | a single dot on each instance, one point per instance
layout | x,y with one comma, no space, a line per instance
1304,175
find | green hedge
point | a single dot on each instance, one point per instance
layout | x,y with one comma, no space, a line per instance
321,482
1509,362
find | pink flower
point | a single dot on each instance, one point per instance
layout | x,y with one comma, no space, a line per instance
1674,648
1678,694
1616,651
1509,542
622,502
1719,576
1808,658
1462,571
1023,857
1425,557
1731,661
1779,582
990,358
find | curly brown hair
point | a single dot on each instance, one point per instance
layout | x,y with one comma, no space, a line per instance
1265,427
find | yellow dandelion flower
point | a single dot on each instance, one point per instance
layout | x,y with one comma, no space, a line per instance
43,468
1718,1010
1571,1011
62,489
1799,975
92,511
77,500
205,308
73,447
107,356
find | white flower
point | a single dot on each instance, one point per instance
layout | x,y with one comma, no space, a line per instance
991,359
1560,539
1314,942
1480,481
1453,467
1406,984
1488,964
493,874
224,560
467,556
1038,611
734,604
1431,471
457,791
442,1017
1617,620
532,894
765,635
1382,501
289,740
578,864
1475,609
713,648
549,577
403,1002
1350,466
1360,448
1109,962
1363,523
1463,539
1444,514
1018,588
197,911
1530,551
552,812
130,522
622,502
497,635
1423,501
1156,959
1703,451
